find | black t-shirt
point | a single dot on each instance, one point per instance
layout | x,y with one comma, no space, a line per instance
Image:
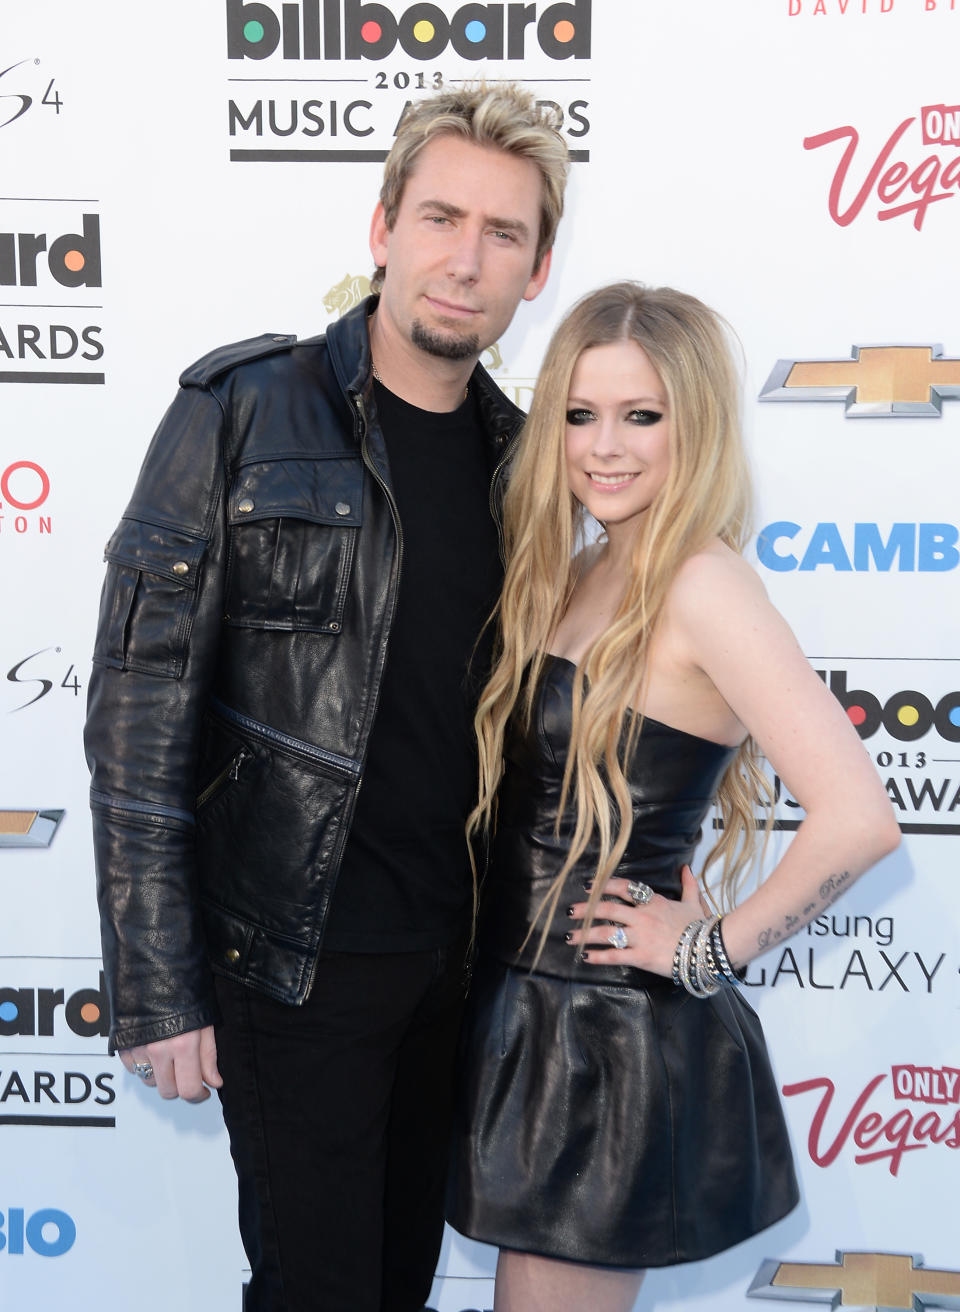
405,880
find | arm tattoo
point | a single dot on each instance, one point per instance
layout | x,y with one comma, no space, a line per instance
831,888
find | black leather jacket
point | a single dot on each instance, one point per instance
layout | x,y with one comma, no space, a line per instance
243,630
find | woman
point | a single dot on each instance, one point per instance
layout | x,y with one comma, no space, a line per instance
619,1110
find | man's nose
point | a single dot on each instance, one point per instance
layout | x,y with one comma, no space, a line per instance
464,260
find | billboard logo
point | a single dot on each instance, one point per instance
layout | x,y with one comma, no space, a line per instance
906,715
35,1011
357,30
72,260
885,1282
876,382
911,713
34,259
52,1065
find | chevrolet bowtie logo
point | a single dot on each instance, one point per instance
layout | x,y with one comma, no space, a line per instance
876,381
28,828
883,1282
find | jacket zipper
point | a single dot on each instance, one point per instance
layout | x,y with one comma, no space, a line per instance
497,518
342,765
232,771
365,456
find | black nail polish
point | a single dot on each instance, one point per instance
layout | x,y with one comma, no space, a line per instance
570,910
588,884
569,937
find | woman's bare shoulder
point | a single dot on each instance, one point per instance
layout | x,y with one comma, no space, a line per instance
714,576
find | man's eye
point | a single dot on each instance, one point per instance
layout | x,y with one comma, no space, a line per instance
577,417
645,417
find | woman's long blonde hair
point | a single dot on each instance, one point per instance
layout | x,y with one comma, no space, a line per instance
706,495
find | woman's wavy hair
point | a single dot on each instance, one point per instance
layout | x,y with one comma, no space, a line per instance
706,495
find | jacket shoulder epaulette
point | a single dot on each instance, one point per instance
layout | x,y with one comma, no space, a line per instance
203,371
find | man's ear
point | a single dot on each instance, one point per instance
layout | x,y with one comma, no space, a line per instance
379,236
538,278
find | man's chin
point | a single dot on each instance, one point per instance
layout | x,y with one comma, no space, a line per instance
444,345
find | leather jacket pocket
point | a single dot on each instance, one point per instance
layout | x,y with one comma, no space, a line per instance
148,599
293,532
270,826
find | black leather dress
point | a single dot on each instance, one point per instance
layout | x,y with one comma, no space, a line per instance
605,1115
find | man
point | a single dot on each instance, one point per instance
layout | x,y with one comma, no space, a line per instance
292,602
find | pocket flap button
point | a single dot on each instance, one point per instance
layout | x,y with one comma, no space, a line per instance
342,508
245,506
232,955
181,567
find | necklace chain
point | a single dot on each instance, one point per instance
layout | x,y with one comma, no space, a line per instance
376,374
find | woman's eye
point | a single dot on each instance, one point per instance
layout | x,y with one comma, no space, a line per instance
645,417
579,416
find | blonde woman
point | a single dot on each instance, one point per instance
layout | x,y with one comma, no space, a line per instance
618,1107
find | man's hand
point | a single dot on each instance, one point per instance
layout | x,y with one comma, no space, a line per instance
182,1066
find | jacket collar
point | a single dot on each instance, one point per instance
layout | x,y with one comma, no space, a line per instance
348,340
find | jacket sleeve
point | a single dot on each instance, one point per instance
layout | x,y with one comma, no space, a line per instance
154,659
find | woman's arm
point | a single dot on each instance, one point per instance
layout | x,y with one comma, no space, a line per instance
723,624
745,647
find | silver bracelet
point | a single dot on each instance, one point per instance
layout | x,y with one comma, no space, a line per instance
707,977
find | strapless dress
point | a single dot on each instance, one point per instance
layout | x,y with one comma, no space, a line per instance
604,1114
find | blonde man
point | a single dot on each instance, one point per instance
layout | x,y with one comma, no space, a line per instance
292,600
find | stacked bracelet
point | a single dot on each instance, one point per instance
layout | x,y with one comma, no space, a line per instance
720,955
700,961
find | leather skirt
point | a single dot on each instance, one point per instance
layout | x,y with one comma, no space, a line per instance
613,1125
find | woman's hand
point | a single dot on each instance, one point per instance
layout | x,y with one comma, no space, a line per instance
652,928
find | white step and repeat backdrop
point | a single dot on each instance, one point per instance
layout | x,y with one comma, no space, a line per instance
177,175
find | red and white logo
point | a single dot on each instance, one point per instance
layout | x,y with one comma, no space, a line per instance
876,1126
24,488
899,180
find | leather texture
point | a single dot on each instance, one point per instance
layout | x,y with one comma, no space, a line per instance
243,630
606,1116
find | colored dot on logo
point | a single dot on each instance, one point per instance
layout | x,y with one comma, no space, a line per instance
253,31
371,32
856,714
908,715
423,31
564,31
90,1012
74,261
475,31
954,716
9,1011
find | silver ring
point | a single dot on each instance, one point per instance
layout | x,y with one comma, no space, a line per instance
640,893
143,1069
619,937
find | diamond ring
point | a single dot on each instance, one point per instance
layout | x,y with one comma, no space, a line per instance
640,893
619,938
143,1069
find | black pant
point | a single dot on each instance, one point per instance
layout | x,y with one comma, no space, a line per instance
338,1113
